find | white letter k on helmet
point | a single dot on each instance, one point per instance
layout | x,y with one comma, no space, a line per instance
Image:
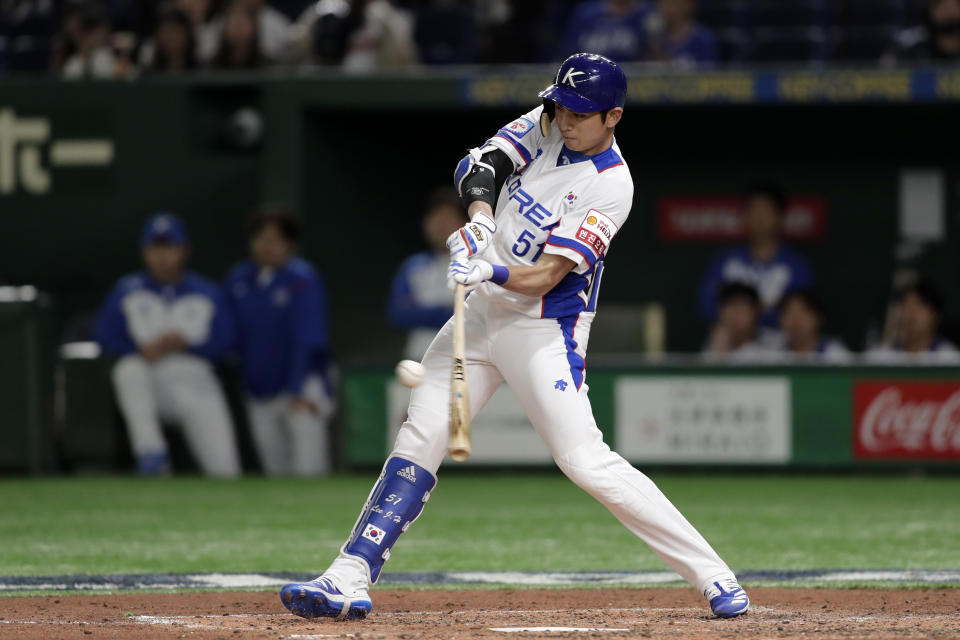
570,77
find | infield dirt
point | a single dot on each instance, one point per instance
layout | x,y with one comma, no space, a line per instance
468,615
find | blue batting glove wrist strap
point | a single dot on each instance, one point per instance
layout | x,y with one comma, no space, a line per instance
500,274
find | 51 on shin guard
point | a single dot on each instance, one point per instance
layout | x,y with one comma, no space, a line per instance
394,503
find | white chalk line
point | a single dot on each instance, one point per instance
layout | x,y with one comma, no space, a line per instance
454,579
550,629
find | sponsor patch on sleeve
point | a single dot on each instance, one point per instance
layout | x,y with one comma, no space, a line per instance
596,231
519,128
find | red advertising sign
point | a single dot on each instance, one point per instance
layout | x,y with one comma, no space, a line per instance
720,218
906,420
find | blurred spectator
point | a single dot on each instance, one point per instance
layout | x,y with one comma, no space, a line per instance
939,39
270,33
280,306
419,299
67,40
132,17
83,48
736,336
675,37
614,28
801,321
291,9
512,32
200,13
172,49
919,310
167,325
27,28
359,35
764,263
239,46
446,32
322,33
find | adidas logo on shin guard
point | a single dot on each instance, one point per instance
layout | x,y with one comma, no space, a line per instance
408,473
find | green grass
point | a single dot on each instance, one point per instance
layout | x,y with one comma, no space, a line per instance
473,522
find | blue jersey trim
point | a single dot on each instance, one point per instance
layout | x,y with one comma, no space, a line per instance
580,248
602,161
564,299
572,156
607,160
598,273
527,159
568,325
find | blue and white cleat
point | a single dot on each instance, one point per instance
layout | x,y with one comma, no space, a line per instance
727,598
321,598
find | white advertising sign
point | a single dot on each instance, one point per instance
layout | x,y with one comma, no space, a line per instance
703,420
501,434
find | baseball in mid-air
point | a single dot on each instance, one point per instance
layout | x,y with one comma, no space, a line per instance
410,373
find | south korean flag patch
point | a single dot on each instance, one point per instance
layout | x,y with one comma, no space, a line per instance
519,128
374,534
596,231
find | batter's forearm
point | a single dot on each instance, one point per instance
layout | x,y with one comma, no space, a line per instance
530,281
538,279
535,280
479,206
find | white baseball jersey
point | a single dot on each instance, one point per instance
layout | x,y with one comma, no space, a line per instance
572,205
561,202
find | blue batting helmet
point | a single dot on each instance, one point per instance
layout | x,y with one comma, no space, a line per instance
586,83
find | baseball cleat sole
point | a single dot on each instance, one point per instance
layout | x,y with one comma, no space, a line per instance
311,601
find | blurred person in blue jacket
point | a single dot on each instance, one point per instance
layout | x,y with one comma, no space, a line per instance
764,263
613,28
419,298
167,326
675,37
280,306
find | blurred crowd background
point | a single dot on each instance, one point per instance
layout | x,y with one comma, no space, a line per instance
127,38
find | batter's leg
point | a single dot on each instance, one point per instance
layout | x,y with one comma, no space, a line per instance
202,412
544,366
133,382
268,429
423,436
408,477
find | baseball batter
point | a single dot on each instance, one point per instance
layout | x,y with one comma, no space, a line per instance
546,197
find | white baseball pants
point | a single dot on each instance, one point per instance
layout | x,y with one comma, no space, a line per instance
182,389
542,361
292,442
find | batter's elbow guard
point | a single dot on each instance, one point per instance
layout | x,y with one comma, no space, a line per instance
475,179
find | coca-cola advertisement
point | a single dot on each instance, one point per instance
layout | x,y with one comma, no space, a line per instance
906,420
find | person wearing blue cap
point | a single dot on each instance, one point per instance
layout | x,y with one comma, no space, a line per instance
546,196
167,326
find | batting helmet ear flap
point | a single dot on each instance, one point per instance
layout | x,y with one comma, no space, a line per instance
549,113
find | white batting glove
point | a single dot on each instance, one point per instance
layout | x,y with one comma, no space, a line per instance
471,238
469,272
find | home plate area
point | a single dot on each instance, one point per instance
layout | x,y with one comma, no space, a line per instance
517,613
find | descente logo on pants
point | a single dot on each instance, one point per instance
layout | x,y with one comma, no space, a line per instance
408,473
